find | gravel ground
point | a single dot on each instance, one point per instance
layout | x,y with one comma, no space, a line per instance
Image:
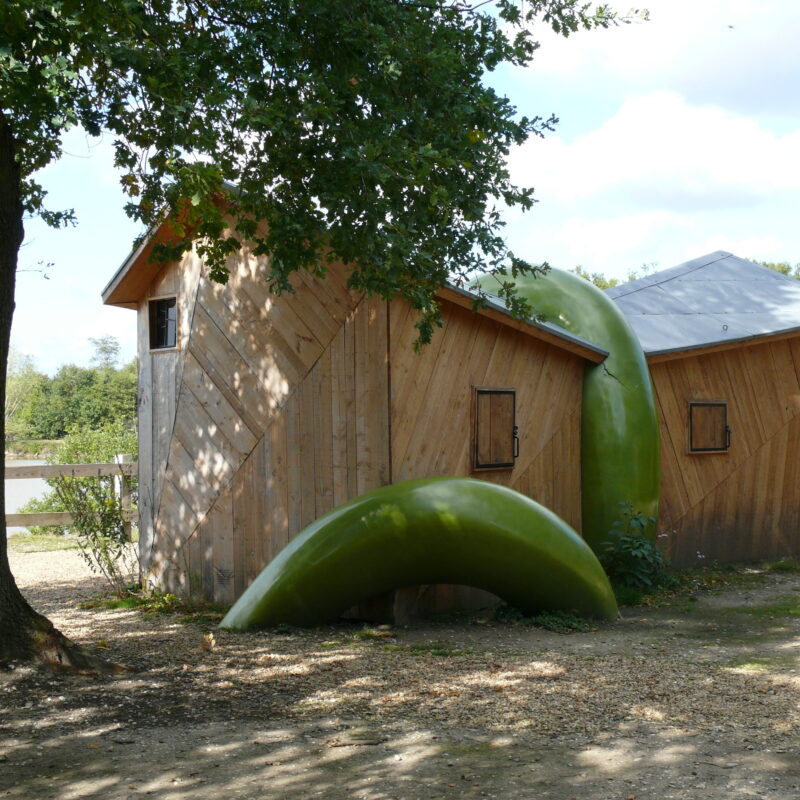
695,699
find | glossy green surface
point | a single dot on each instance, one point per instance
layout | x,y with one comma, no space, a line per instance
620,435
434,530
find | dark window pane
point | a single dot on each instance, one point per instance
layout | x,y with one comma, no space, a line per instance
163,323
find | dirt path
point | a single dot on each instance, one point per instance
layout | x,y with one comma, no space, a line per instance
699,699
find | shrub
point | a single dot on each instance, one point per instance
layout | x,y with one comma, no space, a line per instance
94,503
629,558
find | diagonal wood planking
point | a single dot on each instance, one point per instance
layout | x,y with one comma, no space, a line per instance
254,454
741,504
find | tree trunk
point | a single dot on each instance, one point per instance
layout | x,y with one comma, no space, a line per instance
25,635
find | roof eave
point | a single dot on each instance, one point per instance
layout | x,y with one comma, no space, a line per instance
658,356
546,332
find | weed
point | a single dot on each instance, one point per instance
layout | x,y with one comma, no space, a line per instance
628,596
790,609
191,611
629,558
556,621
562,622
784,565
374,634
437,649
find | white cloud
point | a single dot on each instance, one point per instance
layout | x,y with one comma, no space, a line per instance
741,54
761,247
613,239
659,152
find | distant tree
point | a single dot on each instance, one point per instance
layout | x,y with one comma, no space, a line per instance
22,384
80,398
784,267
106,352
602,282
597,278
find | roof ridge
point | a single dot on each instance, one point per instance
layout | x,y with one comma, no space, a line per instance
646,282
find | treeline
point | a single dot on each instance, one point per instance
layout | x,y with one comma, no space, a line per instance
42,407
603,282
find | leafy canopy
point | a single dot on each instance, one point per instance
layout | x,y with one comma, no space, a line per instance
355,130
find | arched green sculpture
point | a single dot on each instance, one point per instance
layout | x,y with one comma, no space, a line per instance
619,427
457,530
433,530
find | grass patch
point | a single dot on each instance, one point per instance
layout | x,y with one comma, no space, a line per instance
683,584
32,448
41,543
436,649
192,612
784,565
556,621
777,661
789,609
374,634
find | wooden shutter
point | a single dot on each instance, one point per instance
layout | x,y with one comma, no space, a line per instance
494,431
708,426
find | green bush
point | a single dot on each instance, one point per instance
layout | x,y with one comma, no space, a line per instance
94,503
629,558
45,504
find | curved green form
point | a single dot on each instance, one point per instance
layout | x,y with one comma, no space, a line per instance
619,434
433,530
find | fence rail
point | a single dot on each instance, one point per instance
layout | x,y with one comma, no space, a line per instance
122,469
71,470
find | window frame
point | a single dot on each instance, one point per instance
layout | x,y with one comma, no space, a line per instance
152,311
690,405
477,466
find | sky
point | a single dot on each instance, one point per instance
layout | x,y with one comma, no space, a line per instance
677,137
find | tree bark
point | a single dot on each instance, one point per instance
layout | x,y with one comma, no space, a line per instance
25,635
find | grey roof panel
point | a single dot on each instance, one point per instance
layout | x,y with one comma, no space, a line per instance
710,300
671,332
642,302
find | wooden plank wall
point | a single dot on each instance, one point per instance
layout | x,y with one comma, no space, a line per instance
743,504
159,379
282,413
431,398
277,409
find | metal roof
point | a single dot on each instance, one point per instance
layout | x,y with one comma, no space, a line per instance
711,300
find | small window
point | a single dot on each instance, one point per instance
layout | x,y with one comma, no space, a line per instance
163,323
709,431
495,442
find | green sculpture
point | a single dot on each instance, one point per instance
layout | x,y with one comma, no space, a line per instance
620,462
433,530
458,530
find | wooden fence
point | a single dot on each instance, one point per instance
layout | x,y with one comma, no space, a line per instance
123,469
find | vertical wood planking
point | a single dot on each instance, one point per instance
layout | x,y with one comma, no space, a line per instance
220,522
277,489
340,404
145,436
295,467
249,518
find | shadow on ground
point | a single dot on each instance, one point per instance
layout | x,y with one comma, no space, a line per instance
699,699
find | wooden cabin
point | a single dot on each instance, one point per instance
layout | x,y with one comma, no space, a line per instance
722,340
258,414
